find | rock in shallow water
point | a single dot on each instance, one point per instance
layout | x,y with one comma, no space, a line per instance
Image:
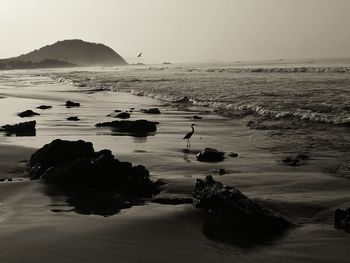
210,155
138,126
228,213
27,113
44,107
72,104
342,219
20,129
123,115
151,111
81,173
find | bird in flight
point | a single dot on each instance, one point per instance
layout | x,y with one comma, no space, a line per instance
139,55
189,135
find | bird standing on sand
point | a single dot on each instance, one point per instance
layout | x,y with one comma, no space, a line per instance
139,55
189,135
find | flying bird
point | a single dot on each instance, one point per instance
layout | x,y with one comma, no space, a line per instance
189,135
139,55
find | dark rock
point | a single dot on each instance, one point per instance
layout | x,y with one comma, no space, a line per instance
210,155
94,182
151,111
56,153
230,214
221,171
27,113
172,200
74,118
123,115
292,161
117,111
72,104
195,117
20,129
44,107
138,126
342,219
232,154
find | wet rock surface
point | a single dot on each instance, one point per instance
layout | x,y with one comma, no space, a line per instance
72,104
138,126
73,118
27,113
232,217
93,182
44,107
20,129
123,115
210,155
151,111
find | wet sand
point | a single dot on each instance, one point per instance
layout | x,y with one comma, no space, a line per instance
31,232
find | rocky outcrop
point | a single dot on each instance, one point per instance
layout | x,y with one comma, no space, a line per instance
210,155
95,182
228,212
138,126
20,129
27,113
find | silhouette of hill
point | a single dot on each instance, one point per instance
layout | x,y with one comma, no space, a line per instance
72,52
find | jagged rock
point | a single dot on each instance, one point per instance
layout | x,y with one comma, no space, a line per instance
72,104
138,126
172,200
151,111
73,118
94,182
22,128
44,107
342,219
210,155
27,113
228,212
123,115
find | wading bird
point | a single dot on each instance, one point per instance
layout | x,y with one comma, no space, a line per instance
139,55
189,135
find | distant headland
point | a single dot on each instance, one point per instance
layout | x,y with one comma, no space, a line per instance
66,53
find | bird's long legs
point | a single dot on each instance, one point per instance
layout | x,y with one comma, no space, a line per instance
188,143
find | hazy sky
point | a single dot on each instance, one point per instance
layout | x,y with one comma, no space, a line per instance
183,30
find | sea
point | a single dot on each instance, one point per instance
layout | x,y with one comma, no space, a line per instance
301,105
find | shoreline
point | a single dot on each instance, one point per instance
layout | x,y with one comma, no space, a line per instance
154,232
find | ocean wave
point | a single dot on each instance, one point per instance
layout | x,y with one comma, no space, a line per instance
269,70
245,109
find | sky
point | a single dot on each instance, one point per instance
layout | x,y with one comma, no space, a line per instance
183,30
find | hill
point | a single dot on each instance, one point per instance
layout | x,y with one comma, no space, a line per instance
75,51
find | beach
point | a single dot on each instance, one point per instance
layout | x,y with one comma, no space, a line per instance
33,230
